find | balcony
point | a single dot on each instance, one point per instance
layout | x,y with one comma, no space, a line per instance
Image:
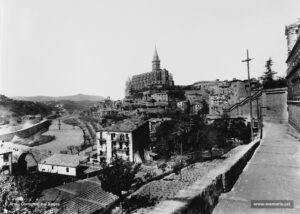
102,154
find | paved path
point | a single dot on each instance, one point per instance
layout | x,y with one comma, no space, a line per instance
273,173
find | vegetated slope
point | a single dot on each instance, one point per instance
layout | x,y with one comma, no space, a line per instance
76,98
71,106
10,108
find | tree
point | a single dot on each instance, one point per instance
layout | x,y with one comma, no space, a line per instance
246,134
165,139
236,128
29,188
139,201
177,167
119,176
71,148
205,108
152,101
268,77
221,125
269,74
163,166
77,149
213,138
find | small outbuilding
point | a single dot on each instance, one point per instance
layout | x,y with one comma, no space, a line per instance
63,164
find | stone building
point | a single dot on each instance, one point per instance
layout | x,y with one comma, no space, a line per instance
217,103
184,105
228,93
128,139
5,162
292,33
196,107
156,78
160,96
62,164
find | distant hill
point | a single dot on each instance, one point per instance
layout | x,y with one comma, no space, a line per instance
75,98
11,109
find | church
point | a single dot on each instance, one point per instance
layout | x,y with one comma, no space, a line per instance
157,78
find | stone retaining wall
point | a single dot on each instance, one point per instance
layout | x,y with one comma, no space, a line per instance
203,195
272,101
27,132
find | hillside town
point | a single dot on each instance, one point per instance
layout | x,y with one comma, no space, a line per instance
163,148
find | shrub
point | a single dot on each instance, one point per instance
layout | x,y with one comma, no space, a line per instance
119,176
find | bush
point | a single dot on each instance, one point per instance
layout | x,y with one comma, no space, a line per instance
177,167
119,176
137,202
163,167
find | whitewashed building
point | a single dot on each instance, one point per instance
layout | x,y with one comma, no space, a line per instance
128,139
5,162
196,107
63,164
160,97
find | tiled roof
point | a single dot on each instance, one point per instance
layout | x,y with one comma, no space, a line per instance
87,196
124,126
63,160
3,151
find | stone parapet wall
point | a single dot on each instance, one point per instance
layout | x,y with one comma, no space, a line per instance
203,195
271,104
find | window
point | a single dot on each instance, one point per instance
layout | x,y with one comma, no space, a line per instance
6,157
113,136
122,137
5,169
67,169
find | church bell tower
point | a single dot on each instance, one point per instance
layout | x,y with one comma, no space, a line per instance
155,62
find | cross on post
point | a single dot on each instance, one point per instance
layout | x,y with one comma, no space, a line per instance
250,98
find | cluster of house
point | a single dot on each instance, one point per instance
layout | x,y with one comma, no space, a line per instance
218,94
128,139
62,164
226,93
156,90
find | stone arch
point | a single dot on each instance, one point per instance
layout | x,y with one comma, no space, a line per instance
27,162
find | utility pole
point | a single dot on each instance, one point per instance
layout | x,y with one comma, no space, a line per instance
59,124
250,98
181,157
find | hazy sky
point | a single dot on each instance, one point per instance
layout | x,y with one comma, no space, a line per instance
64,47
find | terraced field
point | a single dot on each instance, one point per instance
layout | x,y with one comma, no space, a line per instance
169,186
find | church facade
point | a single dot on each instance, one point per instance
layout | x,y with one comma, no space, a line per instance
156,78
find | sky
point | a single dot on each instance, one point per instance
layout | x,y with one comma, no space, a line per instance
66,47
